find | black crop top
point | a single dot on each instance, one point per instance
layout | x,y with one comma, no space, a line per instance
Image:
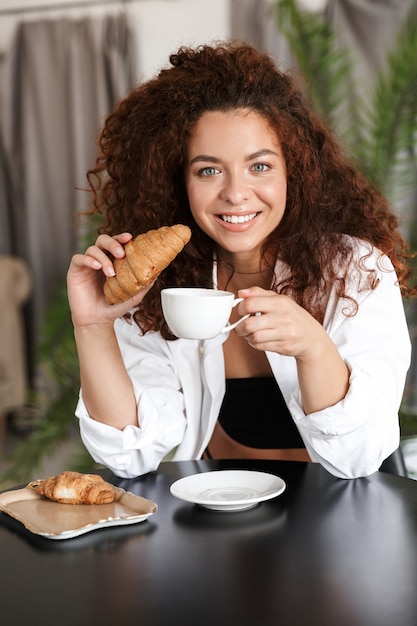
254,413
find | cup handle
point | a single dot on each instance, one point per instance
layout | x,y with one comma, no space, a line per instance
232,326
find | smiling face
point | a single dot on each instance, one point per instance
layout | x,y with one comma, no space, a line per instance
236,182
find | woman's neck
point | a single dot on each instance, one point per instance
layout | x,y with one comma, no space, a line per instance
241,277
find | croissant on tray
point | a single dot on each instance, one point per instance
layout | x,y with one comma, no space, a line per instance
75,488
145,258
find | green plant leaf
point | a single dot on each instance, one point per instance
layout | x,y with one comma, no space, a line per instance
388,150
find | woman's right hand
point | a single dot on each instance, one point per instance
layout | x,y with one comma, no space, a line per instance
85,279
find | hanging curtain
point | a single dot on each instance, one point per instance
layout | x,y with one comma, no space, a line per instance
254,21
10,220
67,76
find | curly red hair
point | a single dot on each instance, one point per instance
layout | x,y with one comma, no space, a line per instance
138,180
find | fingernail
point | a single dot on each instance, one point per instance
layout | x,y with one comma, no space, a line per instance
110,271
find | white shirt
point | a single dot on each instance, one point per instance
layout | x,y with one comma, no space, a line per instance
179,387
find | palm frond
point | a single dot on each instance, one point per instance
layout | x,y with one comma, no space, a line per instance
380,132
387,152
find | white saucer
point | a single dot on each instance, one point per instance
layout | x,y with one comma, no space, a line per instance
228,490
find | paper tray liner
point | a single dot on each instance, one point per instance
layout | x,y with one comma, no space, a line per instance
49,518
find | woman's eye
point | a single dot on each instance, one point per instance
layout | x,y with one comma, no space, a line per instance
260,167
208,171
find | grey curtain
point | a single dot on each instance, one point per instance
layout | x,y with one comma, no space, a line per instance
67,74
11,221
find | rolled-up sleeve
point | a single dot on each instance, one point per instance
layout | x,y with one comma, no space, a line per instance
353,437
136,450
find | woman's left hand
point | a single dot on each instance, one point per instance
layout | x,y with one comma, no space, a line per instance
283,326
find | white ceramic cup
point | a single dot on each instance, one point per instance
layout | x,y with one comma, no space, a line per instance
194,313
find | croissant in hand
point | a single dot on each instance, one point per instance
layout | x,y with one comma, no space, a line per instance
75,488
145,258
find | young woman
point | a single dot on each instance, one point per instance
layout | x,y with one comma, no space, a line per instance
224,142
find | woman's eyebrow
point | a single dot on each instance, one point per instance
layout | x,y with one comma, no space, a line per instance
261,153
205,158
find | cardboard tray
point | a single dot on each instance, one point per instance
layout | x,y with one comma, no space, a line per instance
54,520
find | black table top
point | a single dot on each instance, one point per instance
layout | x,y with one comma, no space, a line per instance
327,552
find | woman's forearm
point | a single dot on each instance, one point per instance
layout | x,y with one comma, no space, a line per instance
107,389
323,378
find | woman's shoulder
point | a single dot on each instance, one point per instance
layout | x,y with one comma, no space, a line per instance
368,269
367,257
358,254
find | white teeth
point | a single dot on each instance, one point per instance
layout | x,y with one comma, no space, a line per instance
238,219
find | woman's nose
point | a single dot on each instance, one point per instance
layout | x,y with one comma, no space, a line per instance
235,189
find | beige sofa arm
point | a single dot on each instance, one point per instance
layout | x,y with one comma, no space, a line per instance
15,288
